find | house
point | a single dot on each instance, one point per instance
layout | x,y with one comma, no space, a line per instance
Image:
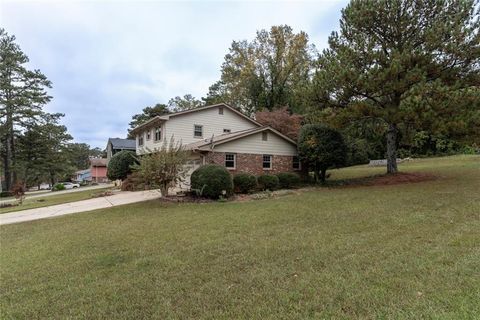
115,145
82,176
221,134
98,169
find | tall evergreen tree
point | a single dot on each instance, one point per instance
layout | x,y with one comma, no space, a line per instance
390,56
22,96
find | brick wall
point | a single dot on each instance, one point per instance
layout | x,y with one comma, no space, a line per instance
252,163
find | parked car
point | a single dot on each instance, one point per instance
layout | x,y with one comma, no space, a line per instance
70,185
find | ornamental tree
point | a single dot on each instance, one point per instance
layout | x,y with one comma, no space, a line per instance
391,58
321,148
164,167
120,165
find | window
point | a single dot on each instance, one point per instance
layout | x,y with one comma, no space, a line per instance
227,130
264,136
140,140
296,163
267,161
230,160
197,131
220,110
149,134
158,134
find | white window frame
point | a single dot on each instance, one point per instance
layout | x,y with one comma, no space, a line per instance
271,161
140,140
264,136
220,111
148,134
234,161
155,134
201,128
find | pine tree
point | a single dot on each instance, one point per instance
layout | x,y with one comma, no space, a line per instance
22,96
389,57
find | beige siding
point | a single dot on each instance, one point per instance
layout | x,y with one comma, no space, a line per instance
181,127
254,144
151,143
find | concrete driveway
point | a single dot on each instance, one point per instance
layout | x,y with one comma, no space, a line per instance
120,198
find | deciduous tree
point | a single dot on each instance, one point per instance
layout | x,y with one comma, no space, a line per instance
321,148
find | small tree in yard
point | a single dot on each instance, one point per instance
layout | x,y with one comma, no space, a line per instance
164,167
321,148
120,166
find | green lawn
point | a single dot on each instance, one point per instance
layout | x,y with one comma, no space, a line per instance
389,252
51,200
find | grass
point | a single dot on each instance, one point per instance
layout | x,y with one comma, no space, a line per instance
51,200
388,252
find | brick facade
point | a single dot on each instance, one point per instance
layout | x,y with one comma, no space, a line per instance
253,163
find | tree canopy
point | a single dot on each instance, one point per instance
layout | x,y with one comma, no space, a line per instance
269,72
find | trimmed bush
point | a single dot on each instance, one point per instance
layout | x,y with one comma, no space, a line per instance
288,179
120,166
244,182
6,194
268,182
58,187
212,181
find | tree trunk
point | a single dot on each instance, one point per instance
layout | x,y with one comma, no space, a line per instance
392,148
323,175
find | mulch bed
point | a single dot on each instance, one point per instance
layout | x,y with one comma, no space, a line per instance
388,179
402,177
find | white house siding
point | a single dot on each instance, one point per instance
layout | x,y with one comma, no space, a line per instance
181,127
254,144
151,143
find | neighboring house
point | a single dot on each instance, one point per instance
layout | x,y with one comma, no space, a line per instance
115,145
82,176
222,135
98,169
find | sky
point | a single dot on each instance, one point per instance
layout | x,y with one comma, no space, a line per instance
107,60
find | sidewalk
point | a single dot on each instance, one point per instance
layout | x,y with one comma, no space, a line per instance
120,198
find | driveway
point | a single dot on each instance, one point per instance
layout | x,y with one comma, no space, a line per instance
120,198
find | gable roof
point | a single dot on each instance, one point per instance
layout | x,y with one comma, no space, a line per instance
207,144
118,143
98,162
180,113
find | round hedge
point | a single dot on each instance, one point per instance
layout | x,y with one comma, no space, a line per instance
119,166
244,182
268,182
212,181
288,179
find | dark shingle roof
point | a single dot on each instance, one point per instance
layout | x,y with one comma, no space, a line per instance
118,143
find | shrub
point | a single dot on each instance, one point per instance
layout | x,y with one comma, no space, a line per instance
213,180
244,182
268,182
120,166
321,148
58,187
288,179
5,194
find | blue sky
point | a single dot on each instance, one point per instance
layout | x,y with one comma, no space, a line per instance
108,60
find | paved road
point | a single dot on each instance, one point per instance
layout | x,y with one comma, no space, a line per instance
123,197
44,193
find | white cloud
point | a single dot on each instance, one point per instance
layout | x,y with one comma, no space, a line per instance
108,60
